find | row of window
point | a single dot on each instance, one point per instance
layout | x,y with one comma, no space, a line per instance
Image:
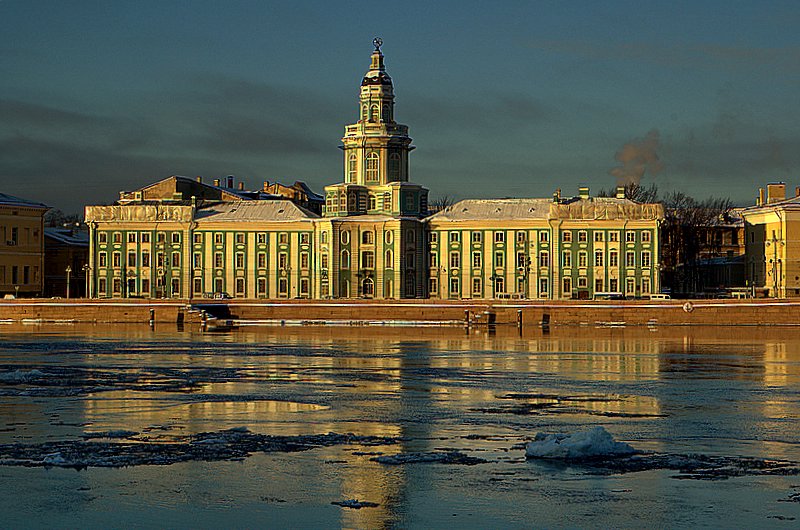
219,237
544,237
544,259
14,277
372,162
173,287
632,286
10,236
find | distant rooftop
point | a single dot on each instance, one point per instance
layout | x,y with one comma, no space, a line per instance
10,200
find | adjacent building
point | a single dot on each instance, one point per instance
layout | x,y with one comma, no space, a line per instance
183,238
21,246
772,232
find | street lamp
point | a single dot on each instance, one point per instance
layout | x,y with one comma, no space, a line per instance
86,268
68,270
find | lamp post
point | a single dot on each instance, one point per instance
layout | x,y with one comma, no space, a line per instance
68,270
86,268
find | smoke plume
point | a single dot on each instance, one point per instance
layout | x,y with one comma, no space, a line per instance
637,157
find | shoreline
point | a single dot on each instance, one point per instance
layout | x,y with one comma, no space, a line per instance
411,313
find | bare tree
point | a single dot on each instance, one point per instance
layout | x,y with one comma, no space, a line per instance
437,204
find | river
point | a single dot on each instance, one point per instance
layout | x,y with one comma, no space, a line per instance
716,392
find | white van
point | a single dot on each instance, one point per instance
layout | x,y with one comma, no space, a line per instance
659,297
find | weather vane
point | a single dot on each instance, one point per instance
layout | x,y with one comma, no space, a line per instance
378,42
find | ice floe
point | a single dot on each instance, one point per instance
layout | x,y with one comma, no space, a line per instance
355,504
596,442
438,457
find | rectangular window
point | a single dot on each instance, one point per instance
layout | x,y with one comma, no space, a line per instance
261,238
160,259
598,237
198,285
520,237
566,236
583,283
645,285
630,286
433,237
117,236
146,287
261,260
455,260
613,236
131,237
239,238
613,259
219,238
476,286
115,259
176,259
544,237
433,259
630,259
499,259
304,239
454,287
131,259
598,285
176,237
197,260
283,260
454,237
323,261
598,258
566,286
239,286
116,286
476,237
499,285
582,236
646,259
283,238
198,238
582,259
368,260
283,287
410,260
261,286
544,259
145,237
239,260
102,286
219,260
630,236
102,259
433,286
566,259
499,237
646,235
304,284
161,237
102,237
544,287
522,261
145,258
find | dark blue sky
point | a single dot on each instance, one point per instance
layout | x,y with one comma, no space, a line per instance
502,99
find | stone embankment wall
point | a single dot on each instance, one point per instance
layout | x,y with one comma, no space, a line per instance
414,312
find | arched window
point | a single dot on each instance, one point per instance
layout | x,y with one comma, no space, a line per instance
373,113
372,166
386,116
351,168
388,260
345,259
372,202
394,167
364,112
369,287
351,201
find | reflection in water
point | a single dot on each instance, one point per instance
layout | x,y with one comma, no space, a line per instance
726,391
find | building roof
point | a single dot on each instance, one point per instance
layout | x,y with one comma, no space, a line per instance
792,203
575,208
68,236
10,200
254,210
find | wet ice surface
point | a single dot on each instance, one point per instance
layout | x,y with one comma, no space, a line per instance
422,428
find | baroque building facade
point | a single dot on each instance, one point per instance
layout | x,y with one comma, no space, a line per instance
21,246
182,238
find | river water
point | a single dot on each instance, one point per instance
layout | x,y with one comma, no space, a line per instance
718,392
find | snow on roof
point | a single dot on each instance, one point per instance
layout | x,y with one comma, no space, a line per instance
254,210
10,200
543,209
67,236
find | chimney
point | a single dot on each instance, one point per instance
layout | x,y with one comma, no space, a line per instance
241,186
199,179
265,188
760,200
230,182
620,192
557,195
583,191
776,192
797,191
216,182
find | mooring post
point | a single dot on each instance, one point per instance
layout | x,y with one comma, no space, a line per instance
519,320
152,316
466,317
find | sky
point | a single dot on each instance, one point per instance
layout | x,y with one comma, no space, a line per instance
503,99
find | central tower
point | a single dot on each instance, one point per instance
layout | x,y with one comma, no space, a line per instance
376,150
